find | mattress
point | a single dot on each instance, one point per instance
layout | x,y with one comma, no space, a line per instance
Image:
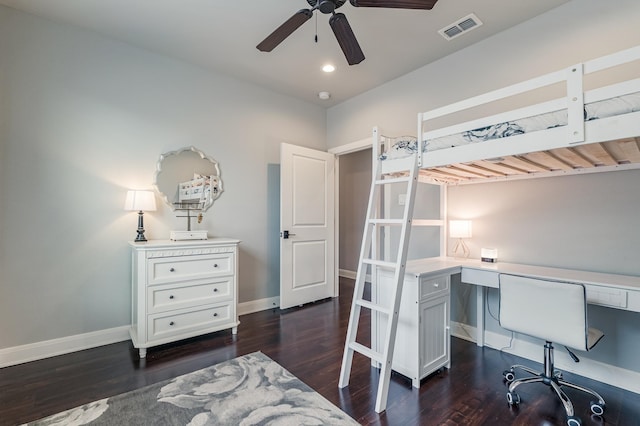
406,146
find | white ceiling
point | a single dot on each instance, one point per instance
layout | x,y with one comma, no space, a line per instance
222,35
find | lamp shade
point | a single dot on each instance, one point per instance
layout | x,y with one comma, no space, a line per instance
460,228
140,201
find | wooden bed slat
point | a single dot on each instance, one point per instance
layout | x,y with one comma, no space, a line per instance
624,150
444,175
547,160
459,172
571,157
478,170
524,164
500,168
596,154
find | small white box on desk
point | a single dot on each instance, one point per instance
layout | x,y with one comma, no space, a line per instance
187,235
489,255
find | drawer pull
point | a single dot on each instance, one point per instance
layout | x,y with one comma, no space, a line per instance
215,314
436,285
215,290
215,265
172,270
171,323
171,296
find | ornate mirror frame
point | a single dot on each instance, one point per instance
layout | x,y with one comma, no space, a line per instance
189,177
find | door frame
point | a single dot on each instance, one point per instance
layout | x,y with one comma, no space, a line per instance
339,150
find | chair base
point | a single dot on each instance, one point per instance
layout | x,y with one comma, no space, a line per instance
552,378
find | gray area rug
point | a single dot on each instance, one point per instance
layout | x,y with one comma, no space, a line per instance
249,390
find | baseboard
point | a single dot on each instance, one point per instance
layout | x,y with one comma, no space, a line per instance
258,305
463,331
352,275
615,376
347,274
49,348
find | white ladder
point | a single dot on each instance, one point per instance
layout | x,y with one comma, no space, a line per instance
370,256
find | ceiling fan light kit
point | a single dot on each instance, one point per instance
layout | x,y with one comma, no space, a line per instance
338,22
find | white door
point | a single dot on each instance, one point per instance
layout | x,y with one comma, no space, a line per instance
307,225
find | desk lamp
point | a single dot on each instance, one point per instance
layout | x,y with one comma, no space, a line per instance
140,201
460,229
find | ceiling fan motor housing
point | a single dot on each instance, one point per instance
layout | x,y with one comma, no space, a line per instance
326,6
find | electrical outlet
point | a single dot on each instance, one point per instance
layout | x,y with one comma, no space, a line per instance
402,199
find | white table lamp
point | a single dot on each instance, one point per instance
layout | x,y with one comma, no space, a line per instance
460,229
140,201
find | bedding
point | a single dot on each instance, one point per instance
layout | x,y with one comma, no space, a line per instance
406,146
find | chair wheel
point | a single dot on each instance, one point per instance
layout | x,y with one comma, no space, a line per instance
508,375
574,421
596,408
513,399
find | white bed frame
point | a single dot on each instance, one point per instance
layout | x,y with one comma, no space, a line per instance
577,132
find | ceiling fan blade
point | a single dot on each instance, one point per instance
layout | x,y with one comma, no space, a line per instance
284,30
346,38
398,4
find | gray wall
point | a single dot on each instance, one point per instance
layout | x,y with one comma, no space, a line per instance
573,222
85,120
587,222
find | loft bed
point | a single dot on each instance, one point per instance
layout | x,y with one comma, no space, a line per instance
584,129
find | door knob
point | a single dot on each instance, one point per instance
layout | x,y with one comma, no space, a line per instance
286,234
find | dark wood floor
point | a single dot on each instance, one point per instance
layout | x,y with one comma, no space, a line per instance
308,341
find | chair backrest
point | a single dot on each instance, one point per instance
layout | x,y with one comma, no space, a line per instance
549,310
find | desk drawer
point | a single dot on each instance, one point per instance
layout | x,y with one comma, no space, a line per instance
169,297
172,269
431,286
161,326
478,277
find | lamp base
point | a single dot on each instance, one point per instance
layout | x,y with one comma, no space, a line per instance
140,237
460,250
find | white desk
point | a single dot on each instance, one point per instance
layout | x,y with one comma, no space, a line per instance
422,339
610,290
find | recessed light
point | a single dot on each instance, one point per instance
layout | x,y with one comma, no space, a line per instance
328,68
324,95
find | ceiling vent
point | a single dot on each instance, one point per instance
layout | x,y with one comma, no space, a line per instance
460,27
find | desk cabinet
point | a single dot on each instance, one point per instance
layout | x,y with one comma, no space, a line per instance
422,340
182,289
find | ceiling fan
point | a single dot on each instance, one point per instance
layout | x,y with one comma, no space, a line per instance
338,22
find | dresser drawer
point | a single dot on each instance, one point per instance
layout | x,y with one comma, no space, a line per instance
161,326
431,286
172,269
168,297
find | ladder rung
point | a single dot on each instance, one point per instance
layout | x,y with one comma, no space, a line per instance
369,305
379,263
368,352
393,180
386,221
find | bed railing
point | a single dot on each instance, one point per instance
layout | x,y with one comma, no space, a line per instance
573,101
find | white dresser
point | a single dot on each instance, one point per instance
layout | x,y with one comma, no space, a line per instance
422,340
182,289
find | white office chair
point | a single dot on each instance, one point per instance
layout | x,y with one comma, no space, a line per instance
557,313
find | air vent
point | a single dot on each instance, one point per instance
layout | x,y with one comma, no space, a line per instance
460,27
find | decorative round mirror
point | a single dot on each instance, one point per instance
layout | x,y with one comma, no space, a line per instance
188,179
